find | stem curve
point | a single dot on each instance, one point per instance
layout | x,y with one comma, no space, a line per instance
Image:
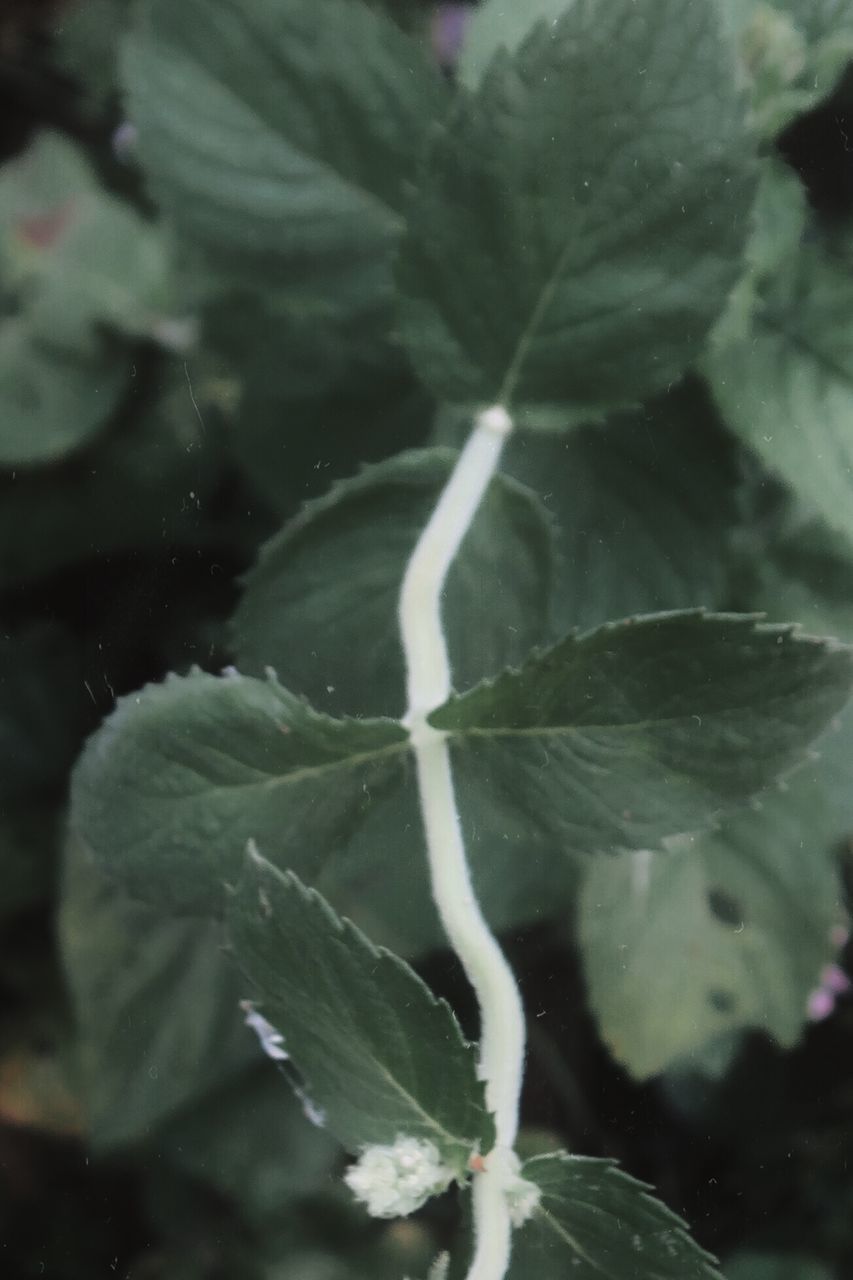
502,1030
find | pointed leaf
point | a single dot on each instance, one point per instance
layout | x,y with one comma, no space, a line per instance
594,1222
321,605
73,261
645,728
183,774
495,25
380,1055
685,946
277,172
580,219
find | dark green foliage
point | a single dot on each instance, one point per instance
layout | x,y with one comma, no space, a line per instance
260,265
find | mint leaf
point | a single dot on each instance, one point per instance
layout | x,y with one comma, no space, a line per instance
644,728
53,398
321,605
695,943
178,779
156,1007
594,1222
380,1055
643,509
281,143
77,267
580,218
182,775
782,375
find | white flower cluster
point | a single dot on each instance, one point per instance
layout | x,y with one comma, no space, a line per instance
393,1181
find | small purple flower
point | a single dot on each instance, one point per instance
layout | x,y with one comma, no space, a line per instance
834,979
820,1004
833,983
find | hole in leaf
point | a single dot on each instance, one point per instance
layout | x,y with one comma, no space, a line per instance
722,1001
726,908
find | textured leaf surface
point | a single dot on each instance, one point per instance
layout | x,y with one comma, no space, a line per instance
643,510
645,728
156,1005
321,605
495,25
595,1222
379,1054
688,945
183,774
592,198
280,143
784,382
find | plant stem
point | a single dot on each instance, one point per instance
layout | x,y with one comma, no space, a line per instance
502,1027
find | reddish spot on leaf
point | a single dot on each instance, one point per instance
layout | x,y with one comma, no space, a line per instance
42,230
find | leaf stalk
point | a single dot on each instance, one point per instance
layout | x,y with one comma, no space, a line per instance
502,1029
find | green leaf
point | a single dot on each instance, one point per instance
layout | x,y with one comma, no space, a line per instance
793,53
782,375
53,399
276,172
80,252
320,607
641,729
643,509
494,25
580,218
379,1054
665,971
73,262
183,774
594,1222
683,947
156,1006
178,779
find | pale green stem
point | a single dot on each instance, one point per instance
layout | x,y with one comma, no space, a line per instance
428,668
